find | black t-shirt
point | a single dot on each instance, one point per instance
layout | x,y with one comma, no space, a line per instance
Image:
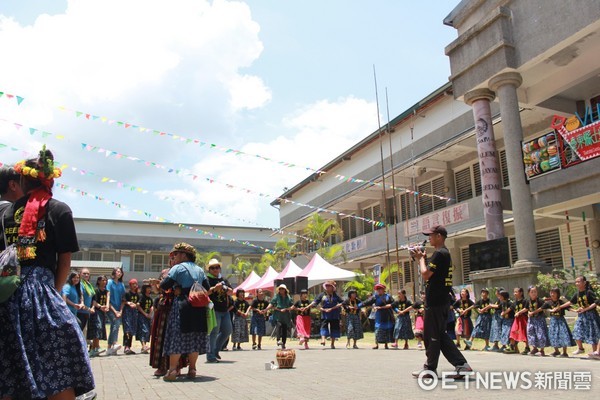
549,305
533,305
584,299
401,305
507,305
463,305
219,298
518,305
60,232
146,303
260,304
439,284
101,297
351,303
241,306
132,297
418,305
302,304
482,304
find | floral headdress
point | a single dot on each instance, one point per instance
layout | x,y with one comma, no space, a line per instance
33,224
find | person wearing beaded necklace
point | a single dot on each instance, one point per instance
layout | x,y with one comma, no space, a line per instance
44,232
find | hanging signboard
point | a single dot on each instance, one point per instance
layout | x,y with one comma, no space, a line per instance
541,155
583,140
446,216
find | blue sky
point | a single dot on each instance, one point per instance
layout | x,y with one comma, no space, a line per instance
267,77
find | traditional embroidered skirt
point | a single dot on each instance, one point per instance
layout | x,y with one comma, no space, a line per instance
130,320
507,324
257,325
419,324
496,329
586,327
559,333
354,327
464,327
403,327
143,328
483,326
518,331
97,326
177,342
240,330
303,326
537,331
42,349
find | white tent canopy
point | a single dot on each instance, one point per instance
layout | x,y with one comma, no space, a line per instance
318,271
266,281
249,281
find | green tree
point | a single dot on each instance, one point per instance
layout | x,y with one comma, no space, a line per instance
284,250
265,262
320,230
332,252
240,269
387,273
363,284
202,259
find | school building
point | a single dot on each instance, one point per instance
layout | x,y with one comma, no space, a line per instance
142,248
505,155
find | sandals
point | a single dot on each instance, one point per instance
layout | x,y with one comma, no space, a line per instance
191,373
375,347
171,376
160,372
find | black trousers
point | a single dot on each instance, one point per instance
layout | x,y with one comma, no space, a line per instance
437,340
282,332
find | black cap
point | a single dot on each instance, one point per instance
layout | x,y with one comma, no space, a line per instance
436,229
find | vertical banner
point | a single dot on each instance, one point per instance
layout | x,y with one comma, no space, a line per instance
376,272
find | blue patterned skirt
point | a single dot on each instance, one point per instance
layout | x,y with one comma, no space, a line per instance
496,329
257,325
240,330
130,317
559,333
505,334
354,327
97,326
586,327
42,349
175,341
403,327
143,328
483,326
537,331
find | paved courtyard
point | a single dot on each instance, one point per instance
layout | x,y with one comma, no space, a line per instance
340,373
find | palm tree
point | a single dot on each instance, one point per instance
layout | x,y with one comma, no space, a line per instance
321,230
332,252
362,283
202,259
283,252
240,269
265,262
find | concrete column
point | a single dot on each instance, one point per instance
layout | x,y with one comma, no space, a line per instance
505,85
450,185
594,226
489,167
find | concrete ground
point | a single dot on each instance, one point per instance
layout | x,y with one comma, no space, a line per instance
324,373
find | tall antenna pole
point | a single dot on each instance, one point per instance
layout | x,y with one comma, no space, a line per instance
394,202
385,214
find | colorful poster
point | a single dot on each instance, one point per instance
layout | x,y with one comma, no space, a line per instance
541,155
583,140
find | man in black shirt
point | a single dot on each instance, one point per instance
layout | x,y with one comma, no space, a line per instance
438,276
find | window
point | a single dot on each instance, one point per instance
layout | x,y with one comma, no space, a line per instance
404,202
504,169
462,181
466,264
477,179
348,225
428,204
373,213
549,249
513,250
139,262
77,256
159,261
408,274
95,256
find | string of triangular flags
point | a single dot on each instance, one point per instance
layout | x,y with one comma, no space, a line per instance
153,217
186,173
126,125
14,97
80,171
